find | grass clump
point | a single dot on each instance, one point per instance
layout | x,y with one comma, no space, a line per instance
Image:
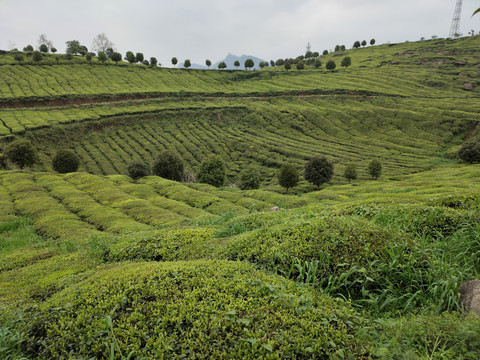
194,309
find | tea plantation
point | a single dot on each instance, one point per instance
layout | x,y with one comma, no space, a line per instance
94,264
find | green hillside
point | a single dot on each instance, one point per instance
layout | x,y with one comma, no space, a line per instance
94,264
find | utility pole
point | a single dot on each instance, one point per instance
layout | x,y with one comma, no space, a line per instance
455,28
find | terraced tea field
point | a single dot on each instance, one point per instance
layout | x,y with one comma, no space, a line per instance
94,264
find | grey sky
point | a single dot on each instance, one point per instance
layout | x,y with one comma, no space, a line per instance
200,29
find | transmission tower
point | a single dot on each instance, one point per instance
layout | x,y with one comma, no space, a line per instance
455,28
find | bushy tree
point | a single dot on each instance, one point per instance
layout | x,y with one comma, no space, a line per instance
325,52
53,50
43,48
174,61
28,48
372,42
153,61
236,63
102,56
356,44
65,161
350,172
68,56
470,152
116,57
187,63
74,47
109,52
222,65
287,66
249,64
280,62
331,65
318,64
139,57
250,178
145,62
300,65
18,57
375,168
337,48
347,61
21,153
43,40
212,171
168,165
83,50
288,176
364,43
102,43
316,54
272,63
208,63
138,169
89,57
318,170
37,56
130,57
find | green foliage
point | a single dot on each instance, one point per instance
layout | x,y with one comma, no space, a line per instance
318,170
115,56
372,42
74,47
130,57
18,57
222,65
11,341
250,178
89,57
43,48
325,52
287,66
153,61
331,65
174,61
65,161
318,64
350,172
288,176
364,43
347,61
212,171
208,63
139,57
102,57
470,151
356,44
138,169
249,64
187,64
300,65
170,310
168,165
28,48
53,50
375,168
37,56
21,153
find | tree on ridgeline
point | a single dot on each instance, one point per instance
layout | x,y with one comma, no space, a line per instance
21,153
65,161
350,172
300,65
74,47
153,61
288,176
109,52
317,64
83,50
375,168
347,61
174,61
280,62
316,54
102,57
212,171
138,169
272,63
331,65
222,65
372,42
43,40
102,43
37,56
249,64
145,62
89,57
43,48
208,63
287,65
325,52
250,178
318,170
187,63
139,57
28,48
236,63
168,165
364,43
130,57
116,57
356,44
53,50
337,48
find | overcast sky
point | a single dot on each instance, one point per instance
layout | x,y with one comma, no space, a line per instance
201,29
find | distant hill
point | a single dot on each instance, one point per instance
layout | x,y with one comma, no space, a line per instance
230,59
194,66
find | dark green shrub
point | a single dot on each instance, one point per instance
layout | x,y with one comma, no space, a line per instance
470,152
331,65
138,169
250,179
168,165
198,309
21,153
347,61
18,57
37,56
212,171
300,65
375,168
350,172
318,170
288,176
65,161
